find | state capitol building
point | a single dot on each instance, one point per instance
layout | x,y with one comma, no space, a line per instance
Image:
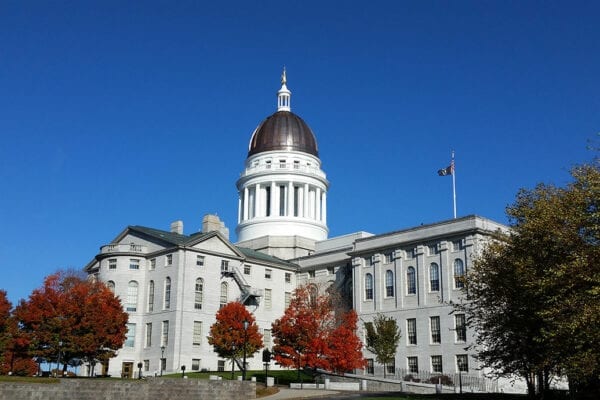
172,284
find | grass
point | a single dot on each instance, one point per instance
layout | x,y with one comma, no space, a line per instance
282,377
27,379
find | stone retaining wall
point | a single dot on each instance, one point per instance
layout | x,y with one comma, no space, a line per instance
153,389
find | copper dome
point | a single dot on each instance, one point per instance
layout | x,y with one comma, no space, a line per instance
283,130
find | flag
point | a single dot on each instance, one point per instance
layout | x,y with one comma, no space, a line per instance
449,170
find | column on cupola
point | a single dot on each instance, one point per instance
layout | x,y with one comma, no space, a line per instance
245,201
257,200
324,208
274,200
306,204
290,199
318,204
240,208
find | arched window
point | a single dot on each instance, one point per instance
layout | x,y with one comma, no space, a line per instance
389,283
368,287
224,295
111,286
167,302
132,296
459,273
434,277
151,296
411,282
198,295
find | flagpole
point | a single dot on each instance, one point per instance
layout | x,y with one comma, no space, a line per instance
453,184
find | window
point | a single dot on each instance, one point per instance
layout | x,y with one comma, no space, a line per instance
247,269
288,299
370,366
436,364
149,334
391,367
311,274
267,338
146,365
224,266
411,328
195,364
167,299
223,299
330,270
268,299
387,258
413,364
368,261
281,163
288,277
111,286
432,249
460,326
151,296
268,273
132,296
112,263
282,208
199,261
459,273
389,283
434,323
296,164
130,338
368,287
164,339
220,365
198,294
411,284
152,263
409,253
462,363
457,245
169,259
134,263
434,277
197,335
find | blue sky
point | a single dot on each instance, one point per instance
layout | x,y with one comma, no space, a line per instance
120,113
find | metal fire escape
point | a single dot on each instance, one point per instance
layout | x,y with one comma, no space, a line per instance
250,295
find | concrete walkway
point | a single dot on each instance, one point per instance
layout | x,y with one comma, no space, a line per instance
288,394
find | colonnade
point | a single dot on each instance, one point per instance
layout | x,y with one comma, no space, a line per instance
283,199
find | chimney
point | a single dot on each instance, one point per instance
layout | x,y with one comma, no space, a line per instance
177,227
212,223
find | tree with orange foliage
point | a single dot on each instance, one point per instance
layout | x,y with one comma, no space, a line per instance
315,333
71,317
5,307
227,334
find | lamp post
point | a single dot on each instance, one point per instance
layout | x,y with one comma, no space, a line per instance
246,323
162,358
233,348
60,343
140,370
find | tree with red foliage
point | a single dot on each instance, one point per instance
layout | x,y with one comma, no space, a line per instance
71,317
5,307
315,333
227,334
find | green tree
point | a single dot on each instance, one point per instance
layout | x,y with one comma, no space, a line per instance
383,336
534,294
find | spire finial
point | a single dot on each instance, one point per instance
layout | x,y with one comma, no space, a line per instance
284,94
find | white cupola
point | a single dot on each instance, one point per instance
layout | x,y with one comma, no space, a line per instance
282,190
